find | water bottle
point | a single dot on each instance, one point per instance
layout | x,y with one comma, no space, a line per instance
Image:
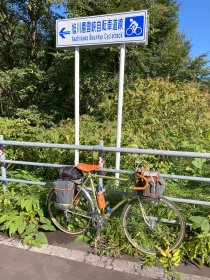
100,197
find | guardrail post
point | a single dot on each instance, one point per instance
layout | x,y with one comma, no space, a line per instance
101,162
3,165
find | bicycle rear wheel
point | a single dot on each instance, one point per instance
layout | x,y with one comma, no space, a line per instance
76,219
157,224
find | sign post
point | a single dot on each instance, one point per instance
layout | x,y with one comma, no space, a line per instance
77,64
110,29
3,165
120,105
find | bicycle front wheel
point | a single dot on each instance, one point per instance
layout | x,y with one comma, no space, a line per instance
150,224
77,218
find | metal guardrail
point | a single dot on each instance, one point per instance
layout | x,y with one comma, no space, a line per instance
98,148
107,149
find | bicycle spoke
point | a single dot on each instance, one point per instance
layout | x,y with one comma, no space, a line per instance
78,214
76,218
151,224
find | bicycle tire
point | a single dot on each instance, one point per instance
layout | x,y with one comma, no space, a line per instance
165,228
77,218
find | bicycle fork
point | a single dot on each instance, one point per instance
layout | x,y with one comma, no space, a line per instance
151,224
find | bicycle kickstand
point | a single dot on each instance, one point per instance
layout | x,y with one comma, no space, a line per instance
95,243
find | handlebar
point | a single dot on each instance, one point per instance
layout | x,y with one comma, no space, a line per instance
142,178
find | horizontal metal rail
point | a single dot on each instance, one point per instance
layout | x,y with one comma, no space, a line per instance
38,164
181,200
47,184
52,165
44,184
108,149
104,149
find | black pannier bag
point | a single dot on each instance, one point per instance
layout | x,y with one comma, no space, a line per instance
64,193
71,174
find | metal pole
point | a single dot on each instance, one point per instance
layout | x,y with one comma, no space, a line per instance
77,62
101,163
3,165
120,105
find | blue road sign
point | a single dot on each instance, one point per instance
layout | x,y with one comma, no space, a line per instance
128,27
134,26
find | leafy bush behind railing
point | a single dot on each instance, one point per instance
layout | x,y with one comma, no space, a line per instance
157,114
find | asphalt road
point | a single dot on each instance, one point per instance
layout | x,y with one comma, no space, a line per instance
72,262
18,264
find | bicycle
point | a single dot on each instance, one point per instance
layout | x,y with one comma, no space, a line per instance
149,223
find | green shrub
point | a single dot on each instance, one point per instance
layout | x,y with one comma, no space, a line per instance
157,114
23,213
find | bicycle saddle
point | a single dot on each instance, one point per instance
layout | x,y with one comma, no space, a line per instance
87,167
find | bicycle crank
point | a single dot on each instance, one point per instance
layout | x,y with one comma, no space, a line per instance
68,216
98,221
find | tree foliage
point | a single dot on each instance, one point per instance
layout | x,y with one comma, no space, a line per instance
34,73
157,114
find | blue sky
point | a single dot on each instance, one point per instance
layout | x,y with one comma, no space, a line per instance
194,22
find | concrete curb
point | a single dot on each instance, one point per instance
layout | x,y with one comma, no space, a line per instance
99,261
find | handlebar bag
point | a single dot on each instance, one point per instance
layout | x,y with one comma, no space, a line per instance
155,188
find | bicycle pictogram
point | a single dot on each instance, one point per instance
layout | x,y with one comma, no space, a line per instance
133,28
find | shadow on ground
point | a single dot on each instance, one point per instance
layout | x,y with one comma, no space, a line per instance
62,239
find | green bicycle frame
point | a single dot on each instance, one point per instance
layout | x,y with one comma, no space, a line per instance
90,178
